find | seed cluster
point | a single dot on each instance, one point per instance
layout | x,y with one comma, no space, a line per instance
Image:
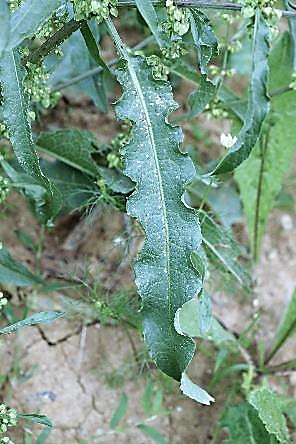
8,418
175,27
271,14
4,190
101,9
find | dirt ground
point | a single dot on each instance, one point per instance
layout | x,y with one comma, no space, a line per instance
66,370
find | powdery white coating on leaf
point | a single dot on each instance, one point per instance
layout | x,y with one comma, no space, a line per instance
164,274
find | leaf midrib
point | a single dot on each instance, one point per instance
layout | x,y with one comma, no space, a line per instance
159,178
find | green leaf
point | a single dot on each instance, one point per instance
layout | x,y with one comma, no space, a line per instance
258,102
268,406
75,148
148,13
292,26
191,319
199,99
15,114
287,326
4,25
152,433
76,61
120,411
195,392
204,39
44,317
26,20
244,426
260,177
13,272
39,419
92,46
164,273
222,250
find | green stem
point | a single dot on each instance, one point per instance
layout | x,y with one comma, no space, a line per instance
54,41
40,249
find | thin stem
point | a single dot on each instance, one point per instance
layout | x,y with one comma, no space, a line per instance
263,147
95,71
284,366
40,249
202,5
54,41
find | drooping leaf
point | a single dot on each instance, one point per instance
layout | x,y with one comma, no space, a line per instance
260,177
15,114
199,99
148,13
222,250
287,326
13,272
152,433
243,425
44,317
4,25
268,407
26,20
190,320
120,411
75,148
204,39
76,61
258,102
164,274
195,392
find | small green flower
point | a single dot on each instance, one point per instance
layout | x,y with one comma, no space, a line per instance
8,417
101,9
4,190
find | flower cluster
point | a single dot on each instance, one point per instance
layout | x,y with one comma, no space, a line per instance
8,418
227,140
176,26
177,23
271,14
215,109
102,9
4,190
14,4
122,139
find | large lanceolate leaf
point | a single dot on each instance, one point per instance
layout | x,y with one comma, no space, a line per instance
4,25
258,102
15,114
260,177
26,20
165,276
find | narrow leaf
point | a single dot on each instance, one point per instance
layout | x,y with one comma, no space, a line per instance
44,317
268,406
258,102
204,39
13,272
292,25
165,276
4,25
152,433
148,13
92,46
195,392
287,326
15,114
120,411
26,20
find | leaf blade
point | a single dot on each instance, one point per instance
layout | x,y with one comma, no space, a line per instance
44,317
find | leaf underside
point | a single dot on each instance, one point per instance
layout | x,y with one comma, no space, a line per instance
164,273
